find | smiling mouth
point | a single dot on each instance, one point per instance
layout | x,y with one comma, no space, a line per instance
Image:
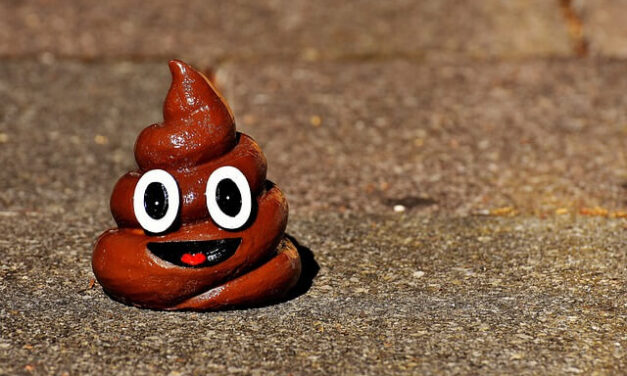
197,253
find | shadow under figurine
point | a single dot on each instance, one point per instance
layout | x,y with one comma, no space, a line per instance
199,226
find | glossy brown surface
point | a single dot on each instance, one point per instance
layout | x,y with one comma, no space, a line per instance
261,284
197,137
197,124
246,156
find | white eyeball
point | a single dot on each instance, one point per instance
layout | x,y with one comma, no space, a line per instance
228,198
156,201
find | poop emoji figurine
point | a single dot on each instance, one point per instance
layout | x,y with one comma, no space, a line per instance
199,226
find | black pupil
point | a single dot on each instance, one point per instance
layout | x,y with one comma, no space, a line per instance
156,200
228,197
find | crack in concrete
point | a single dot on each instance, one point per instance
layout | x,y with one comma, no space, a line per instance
574,21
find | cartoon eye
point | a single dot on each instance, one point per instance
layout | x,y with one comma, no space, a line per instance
156,201
228,197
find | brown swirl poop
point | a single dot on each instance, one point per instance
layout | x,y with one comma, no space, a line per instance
199,226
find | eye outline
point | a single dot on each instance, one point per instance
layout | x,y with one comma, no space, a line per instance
149,224
221,219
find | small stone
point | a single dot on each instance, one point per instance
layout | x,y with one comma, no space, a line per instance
101,140
399,208
311,54
572,370
249,119
315,120
418,274
516,356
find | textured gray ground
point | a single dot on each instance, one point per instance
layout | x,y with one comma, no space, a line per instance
506,149
395,294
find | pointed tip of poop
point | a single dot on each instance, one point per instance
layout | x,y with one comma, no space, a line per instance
178,67
198,124
190,91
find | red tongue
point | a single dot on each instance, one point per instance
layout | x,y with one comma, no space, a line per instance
195,259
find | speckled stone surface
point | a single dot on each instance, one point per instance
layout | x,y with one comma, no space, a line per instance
431,290
457,181
535,136
399,294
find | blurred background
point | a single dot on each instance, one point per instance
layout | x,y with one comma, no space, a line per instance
457,107
458,169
